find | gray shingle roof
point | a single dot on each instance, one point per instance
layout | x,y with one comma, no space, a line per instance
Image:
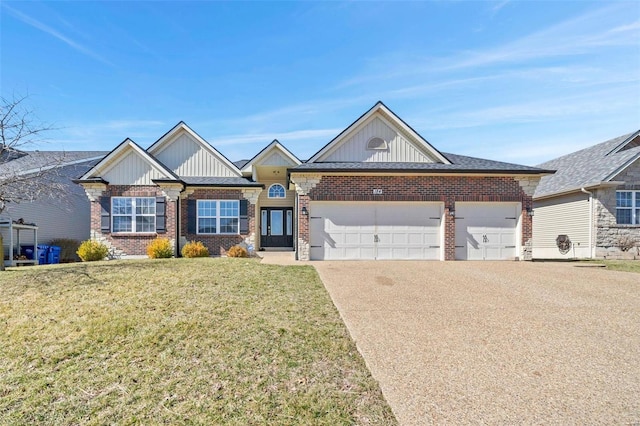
36,160
240,163
218,181
589,166
460,164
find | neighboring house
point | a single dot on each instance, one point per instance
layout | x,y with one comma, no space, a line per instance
60,214
590,208
377,191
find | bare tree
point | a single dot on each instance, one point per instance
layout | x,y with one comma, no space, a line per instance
19,181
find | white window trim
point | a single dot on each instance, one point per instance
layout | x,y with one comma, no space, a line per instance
635,196
280,185
133,215
217,217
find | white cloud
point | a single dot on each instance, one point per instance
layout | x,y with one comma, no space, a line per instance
53,32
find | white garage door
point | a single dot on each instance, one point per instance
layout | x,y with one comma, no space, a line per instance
375,230
486,231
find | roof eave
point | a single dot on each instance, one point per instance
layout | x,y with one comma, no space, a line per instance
590,186
224,185
428,171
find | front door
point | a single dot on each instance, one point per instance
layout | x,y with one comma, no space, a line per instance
276,227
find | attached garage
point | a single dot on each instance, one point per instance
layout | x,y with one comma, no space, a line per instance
375,230
487,231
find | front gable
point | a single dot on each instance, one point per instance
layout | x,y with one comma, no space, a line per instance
187,154
274,155
379,136
128,164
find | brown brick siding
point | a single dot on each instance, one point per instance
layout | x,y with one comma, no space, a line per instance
217,244
133,244
446,189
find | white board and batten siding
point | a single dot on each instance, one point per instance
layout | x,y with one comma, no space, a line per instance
376,231
399,147
276,159
487,231
186,157
131,169
564,215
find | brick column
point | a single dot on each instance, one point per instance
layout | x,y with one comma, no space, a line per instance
449,232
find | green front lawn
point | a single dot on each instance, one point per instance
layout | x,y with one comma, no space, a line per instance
178,341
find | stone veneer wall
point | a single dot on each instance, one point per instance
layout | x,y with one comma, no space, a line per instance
609,234
447,189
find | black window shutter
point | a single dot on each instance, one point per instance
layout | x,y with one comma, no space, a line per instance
161,221
191,216
105,215
244,219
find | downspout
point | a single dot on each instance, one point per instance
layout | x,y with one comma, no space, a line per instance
591,245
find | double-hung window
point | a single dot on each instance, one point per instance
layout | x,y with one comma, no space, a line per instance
133,214
628,207
218,216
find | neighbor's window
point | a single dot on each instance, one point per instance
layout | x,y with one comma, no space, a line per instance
133,214
628,207
218,216
277,191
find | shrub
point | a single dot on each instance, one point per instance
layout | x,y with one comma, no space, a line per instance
160,248
195,249
92,250
237,251
68,249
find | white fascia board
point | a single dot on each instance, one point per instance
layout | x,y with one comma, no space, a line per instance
426,145
623,167
275,145
106,159
392,121
110,161
158,145
624,143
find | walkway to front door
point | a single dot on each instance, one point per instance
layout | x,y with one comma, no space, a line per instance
276,227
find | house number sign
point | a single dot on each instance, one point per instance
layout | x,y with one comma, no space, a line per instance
377,191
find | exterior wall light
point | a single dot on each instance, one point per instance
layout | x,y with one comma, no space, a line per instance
530,211
452,212
305,212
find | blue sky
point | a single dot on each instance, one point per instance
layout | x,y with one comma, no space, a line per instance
515,81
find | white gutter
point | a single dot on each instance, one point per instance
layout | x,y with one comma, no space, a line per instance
591,245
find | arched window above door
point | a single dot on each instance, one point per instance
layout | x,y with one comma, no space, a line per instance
277,191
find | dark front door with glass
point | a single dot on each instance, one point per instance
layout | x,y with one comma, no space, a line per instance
276,227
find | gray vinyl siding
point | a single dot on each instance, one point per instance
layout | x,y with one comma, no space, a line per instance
563,215
400,148
59,216
186,157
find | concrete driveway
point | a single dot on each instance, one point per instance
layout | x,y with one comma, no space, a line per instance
495,342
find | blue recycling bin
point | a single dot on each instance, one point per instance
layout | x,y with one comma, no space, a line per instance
43,253
53,255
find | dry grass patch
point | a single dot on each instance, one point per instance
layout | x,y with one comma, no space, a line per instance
204,341
621,265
